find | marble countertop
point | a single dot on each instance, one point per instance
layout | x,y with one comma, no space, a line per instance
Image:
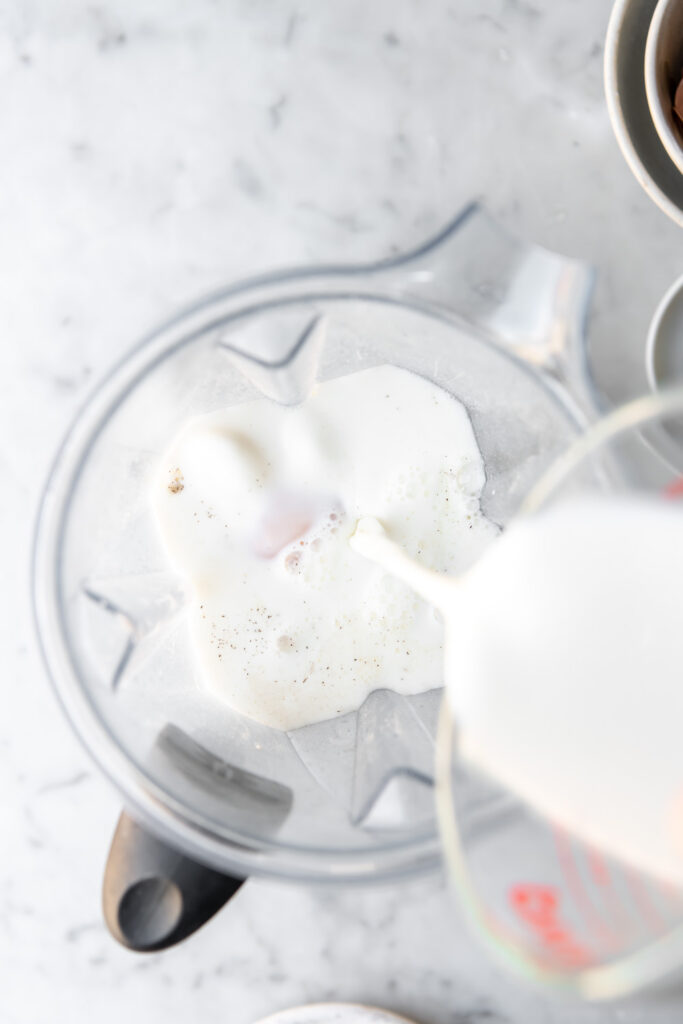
151,153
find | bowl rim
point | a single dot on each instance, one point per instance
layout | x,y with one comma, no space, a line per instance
618,120
369,1013
660,312
671,142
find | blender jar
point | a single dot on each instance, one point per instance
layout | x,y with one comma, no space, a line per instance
498,324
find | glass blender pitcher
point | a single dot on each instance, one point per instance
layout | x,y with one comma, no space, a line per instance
211,796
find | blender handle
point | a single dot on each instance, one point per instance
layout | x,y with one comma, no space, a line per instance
520,295
152,895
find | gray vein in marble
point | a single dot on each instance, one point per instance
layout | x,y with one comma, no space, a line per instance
247,179
77,931
73,780
293,23
276,110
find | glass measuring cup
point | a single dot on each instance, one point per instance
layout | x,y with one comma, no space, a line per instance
547,904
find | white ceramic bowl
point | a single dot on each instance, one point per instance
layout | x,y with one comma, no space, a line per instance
664,351
663,65
628,106
335,1013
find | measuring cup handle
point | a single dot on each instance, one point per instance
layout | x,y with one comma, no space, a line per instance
153,896
520,295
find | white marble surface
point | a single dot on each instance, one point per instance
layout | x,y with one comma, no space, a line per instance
150,152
